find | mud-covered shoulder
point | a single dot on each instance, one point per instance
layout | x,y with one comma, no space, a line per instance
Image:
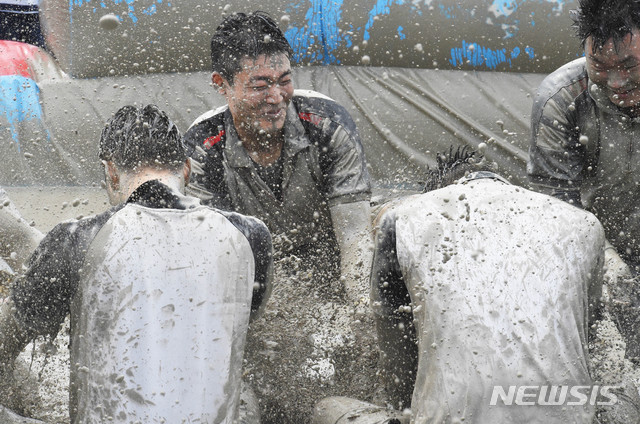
259,237
312,105
388,290
42,295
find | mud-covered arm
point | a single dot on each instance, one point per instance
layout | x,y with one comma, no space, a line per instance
352,226
13,337
390,302
347,185
19,239
41,297
259,239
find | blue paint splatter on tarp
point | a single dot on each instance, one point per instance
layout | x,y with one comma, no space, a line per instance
150,10
382,7
529,50
477,55
319,37
144,7
321,29
400,34
507,7
132,11
504,7
19,102
447,12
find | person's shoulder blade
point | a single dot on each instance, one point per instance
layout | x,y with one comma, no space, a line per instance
206,131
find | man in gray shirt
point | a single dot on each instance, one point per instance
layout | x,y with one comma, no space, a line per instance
585,139
292,158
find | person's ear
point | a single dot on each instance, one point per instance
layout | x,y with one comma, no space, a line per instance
113,177
219,83
186,171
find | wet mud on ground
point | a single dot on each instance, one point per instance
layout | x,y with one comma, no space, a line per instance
309,344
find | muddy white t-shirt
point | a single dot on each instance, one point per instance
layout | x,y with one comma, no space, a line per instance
500,281
160,291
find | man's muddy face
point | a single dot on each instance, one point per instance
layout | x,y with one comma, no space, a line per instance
260,94
616,71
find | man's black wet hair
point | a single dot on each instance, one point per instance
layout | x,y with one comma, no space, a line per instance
451,167
242,36
605,19
142,137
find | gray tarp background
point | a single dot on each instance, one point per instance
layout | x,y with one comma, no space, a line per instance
155,36
463,74
405,116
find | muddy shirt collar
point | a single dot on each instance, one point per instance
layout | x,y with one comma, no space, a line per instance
482,174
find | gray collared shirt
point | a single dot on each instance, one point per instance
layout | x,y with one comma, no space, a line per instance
323,165
584,149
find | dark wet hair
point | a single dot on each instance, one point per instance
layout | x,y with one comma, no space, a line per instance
605,19
142,137
451,167
242,36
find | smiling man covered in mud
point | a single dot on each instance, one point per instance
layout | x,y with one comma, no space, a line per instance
585,140
293,158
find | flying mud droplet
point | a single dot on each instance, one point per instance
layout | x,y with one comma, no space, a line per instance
109,22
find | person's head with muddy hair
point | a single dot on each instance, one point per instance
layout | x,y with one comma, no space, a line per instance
138,145
604,20
610,33
452,166
245,36
142,137
252,70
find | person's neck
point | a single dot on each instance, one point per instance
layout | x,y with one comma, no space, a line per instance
263,149
131,182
